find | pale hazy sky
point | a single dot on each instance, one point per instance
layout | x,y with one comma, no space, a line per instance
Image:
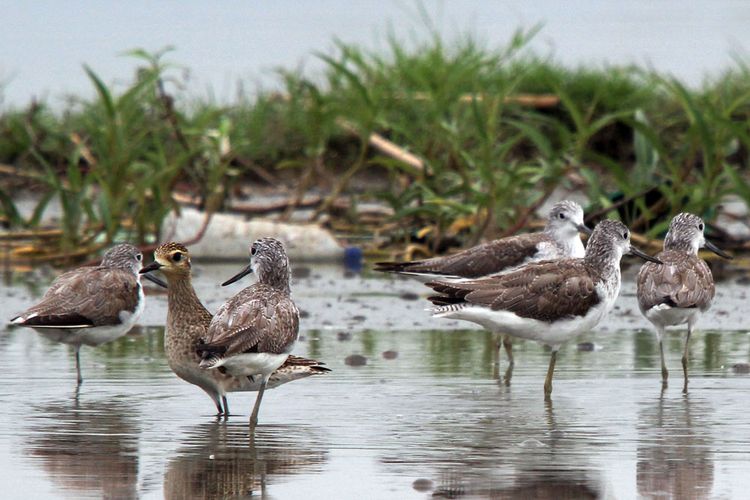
44,43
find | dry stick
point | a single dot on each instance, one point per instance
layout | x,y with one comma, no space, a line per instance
379,143
528,100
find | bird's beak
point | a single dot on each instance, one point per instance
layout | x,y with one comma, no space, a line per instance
638,253
154,279
154,266
583,228
239,276
718,251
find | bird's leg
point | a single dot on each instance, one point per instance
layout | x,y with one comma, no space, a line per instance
550,372
664,373
685,358
78,364
508,345
219,409
254,415
226,406
496,356
508,374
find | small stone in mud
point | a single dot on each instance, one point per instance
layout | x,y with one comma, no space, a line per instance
304,314
409,296
422,485
358,317
586,346
355,360
743,280
390,355
349,274
344,336
301,272
301,338
741,368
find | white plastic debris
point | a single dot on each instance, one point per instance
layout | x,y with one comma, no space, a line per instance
228,236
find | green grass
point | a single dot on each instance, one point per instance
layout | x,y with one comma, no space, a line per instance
629,133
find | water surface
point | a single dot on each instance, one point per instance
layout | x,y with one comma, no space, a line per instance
434,421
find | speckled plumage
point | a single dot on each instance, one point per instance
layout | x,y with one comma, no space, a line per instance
560,239
91,305
677,291
187,327
550,301
253,333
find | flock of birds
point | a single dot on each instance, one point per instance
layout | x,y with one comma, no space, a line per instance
541,286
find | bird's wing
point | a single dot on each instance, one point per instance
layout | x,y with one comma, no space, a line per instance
482,260
258,319
545,291
85,297
683,281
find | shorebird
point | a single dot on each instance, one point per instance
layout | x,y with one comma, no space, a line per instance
91,305
187,326
680,289
253,333
550,301
560,239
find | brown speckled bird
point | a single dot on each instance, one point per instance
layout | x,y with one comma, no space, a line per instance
680,289
550,301
187,329
559,240
91,305
253,333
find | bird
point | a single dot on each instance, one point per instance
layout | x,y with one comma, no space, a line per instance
559,239
550,301
187,324
91,305
253,332
680,289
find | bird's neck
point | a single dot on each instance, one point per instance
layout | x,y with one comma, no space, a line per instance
181,296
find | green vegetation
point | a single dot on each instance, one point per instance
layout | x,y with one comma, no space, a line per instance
632,139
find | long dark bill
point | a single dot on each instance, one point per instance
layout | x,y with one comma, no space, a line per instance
638,253
154,266
584,229
154,279
718,251
239,276
146,270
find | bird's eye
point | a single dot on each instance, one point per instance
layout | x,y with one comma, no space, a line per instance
700,227
177,256
562,215
139,257
253,250
625,235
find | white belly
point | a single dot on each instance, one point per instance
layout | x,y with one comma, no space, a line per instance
664,315
252,363
552,334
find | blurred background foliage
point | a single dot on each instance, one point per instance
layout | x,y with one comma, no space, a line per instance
495,131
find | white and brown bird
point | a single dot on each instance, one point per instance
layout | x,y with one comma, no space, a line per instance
681,288
187,327
91,305
560,239
550,301
253,333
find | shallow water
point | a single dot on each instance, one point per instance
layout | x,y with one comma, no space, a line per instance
433,421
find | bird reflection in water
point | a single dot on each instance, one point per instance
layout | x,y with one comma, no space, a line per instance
674,449
222,461
541,454
87,450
